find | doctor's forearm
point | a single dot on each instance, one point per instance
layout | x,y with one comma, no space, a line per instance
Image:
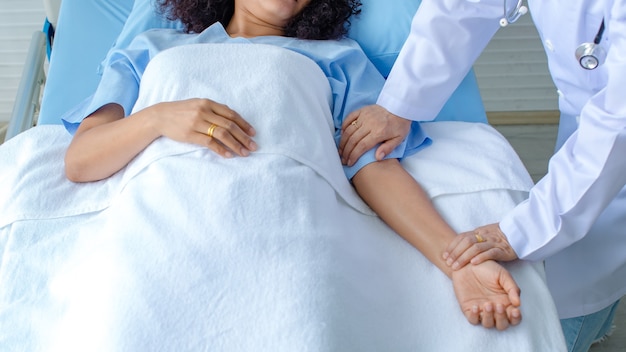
428,70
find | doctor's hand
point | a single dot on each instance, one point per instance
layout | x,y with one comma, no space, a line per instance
208,123
488,295
364,128
484,243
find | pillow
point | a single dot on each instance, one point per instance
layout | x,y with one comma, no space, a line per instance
380,29
382,46
143,16
83,35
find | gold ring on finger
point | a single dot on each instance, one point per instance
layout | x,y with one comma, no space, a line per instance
479,238
353,123
209,132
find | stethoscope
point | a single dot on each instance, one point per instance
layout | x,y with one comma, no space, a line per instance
592,55
589,55
510,17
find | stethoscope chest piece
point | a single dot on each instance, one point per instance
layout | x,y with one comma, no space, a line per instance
590,55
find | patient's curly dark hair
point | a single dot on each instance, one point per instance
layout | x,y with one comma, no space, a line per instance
320,19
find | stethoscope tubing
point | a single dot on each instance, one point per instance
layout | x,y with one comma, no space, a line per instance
589,55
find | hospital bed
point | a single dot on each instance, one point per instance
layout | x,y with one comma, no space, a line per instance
133,263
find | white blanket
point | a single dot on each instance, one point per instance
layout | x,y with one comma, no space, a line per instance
185,251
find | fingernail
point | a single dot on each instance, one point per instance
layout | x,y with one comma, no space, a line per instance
449,261
253,146
228,155
251,131
244,152
445,255
455,265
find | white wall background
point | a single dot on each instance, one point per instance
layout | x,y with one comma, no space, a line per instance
512,72
18,20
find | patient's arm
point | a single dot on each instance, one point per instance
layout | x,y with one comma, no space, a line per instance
105,142
402,203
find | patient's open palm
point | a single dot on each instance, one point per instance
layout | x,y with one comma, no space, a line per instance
488,295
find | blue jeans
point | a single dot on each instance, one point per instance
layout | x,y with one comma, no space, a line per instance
581,332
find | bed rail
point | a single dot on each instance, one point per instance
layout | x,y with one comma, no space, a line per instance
28,93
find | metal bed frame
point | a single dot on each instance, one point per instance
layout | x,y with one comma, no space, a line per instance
28,98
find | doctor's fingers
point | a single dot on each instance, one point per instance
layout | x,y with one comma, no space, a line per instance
484,243
356,145
356,126
348,128
463,248
362,136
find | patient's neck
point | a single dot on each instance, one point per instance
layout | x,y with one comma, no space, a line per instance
248,27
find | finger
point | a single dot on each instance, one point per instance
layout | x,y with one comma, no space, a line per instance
490,254
349,140
474,249
218,148
232,115
501,319
232,137
473,315
487,317
510,287
514,314
346,132
387,147
453,244
353,116
211,143
356,146
463,243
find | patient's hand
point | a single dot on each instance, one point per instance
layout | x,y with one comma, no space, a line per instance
206,122
484,243
367,127
488,295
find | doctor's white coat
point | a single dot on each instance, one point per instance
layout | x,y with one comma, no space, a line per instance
575,217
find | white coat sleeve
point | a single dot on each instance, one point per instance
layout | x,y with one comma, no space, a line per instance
588,170
446,37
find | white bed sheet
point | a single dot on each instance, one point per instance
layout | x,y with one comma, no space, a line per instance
184,250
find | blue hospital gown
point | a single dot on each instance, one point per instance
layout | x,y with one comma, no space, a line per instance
354,80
